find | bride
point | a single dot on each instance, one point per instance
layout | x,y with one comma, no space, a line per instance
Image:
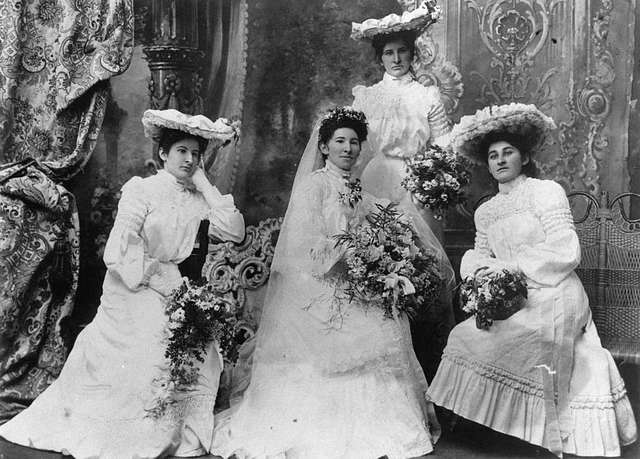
320,389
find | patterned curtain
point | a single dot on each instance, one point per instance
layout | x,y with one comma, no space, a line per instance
39,256
56,57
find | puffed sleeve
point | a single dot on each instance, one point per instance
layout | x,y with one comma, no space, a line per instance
124,253
317,222
547,263
481,254
437,116
225,220
359,93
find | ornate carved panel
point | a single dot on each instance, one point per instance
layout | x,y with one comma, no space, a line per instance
559,55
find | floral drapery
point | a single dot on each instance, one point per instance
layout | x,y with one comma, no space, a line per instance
56,57
39,256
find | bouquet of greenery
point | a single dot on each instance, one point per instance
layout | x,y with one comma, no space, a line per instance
493,295
436,177
387,268
198,315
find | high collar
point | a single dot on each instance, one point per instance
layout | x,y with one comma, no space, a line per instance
506,188
401,80
173,181
335,171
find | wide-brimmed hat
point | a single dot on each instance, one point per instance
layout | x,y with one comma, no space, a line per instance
154,121
523,120
423,16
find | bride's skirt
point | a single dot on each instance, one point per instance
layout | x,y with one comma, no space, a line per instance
98,407
336,408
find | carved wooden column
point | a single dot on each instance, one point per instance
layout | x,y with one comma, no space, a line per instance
175,57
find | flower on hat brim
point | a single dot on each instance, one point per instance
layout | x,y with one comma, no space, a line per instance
155,121
523,120
420,18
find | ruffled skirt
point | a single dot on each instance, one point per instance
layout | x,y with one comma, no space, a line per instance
98,407
501,378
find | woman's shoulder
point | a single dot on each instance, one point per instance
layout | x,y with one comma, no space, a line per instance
547,194
312,182
545,185
134,184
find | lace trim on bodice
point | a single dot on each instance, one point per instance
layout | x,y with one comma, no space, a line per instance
526,197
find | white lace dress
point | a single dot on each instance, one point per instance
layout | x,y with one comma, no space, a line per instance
403,117
97,407
541,375
352,389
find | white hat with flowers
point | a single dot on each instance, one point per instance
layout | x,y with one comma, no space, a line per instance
154,121
523,120
421,17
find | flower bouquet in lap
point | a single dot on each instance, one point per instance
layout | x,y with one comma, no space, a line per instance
493,295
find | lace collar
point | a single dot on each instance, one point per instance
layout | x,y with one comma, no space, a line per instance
405,79
336,172
509,187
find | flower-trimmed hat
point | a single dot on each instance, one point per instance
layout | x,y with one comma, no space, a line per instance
423,16
523,120
154,121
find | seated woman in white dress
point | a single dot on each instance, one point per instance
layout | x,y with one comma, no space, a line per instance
327,382
540,375
98,407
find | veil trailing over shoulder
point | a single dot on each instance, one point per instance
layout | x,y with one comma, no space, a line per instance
290,263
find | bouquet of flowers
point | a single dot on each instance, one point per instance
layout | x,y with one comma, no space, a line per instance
435,177
198,315
386,266
493,295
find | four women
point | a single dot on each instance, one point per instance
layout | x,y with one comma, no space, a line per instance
331,378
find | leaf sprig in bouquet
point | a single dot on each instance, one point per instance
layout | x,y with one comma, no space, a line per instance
198,315
436,178
386,267
493,295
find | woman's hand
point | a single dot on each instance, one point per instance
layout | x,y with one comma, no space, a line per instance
200,180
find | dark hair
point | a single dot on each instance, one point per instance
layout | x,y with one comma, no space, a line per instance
342,117
521,142
406,36
171,136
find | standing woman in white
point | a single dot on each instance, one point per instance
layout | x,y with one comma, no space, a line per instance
98,407
404,117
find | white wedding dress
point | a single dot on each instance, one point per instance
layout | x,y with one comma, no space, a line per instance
326,382
97,408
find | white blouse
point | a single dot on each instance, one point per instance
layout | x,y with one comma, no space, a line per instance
403,115
157,224
529,228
